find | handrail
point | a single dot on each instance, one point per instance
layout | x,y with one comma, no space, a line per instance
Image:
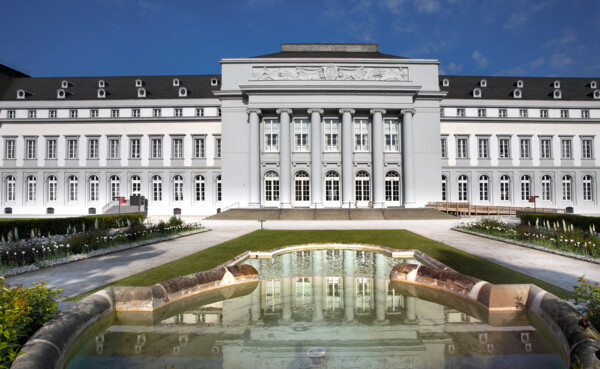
236,204
108,206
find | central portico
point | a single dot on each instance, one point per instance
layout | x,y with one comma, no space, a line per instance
330,125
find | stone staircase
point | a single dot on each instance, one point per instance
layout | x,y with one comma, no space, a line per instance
331,214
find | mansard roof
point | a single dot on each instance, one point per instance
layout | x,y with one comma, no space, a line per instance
502,88
116,88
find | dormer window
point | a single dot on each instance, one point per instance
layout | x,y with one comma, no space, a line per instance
556,84
214,82
21,94
101,84
64,84
138,83
597,94
477,92
557,94
520,84
183,92
141,92
446,82
101,93
483,83
593,84
176,82
60,94
517,93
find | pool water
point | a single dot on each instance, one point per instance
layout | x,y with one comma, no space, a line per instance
315,309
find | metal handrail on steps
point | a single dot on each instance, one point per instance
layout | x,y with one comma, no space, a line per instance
235,204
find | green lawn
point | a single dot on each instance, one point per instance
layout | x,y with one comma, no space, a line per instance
270,239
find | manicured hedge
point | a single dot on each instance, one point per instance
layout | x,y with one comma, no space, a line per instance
578,221
62,225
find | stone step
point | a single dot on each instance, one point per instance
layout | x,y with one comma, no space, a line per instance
331,214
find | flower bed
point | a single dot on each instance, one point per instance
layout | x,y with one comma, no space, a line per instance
556,236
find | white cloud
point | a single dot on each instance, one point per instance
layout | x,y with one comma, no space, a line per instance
149,6
455,68
395,6
481,60
560,60
566,39
519,18
537,63
428,6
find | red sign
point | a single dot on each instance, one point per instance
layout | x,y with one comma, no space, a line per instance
532,198
121,199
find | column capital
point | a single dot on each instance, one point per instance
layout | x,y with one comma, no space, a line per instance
407,111
284,110
373,111
347,110
254,110
316,110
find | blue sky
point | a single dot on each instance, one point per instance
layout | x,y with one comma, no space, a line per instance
157,37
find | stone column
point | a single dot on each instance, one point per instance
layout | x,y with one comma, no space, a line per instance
380,288
347,157
377,159
408,162
316,162
318,285
349,290
254,158
285,159
286,289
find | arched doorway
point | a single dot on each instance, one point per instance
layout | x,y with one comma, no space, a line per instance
271,189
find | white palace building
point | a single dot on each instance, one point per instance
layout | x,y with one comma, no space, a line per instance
314,125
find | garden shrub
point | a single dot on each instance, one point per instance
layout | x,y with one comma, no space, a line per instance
22,312
588,293
578,221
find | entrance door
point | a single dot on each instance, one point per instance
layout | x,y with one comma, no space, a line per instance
302,189
392,189
332,189
362,189
271,189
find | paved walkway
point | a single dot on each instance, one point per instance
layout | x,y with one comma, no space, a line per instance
82,276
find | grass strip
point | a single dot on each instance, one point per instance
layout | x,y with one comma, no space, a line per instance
262,240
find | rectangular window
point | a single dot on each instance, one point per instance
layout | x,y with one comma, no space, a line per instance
114,148
135,113
271,135
73,113
12,114
156,113
444,147
32,114
199,112
523,113
301,134
525,148
93,148
361,135
462,148
199,148
586,148
156,148
53,114
460,112
178,112
546,148
481,113
114,113
72,149
218,148
30,146
94,113
10,150
51,149
504,145
331,134
390,133
543,113
565,149
585,114
178,148
483,148
564,113
442,112
502,113
134,148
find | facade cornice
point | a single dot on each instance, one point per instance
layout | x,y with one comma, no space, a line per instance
109,104
519,120
537,104
320,61
108,120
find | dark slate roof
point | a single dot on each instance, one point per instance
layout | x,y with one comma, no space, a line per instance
534,88
6,75
85,88
329,54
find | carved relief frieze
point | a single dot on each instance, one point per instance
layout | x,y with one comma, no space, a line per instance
330,73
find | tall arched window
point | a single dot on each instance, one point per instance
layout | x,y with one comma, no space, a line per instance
115,190
567,188
525,187
332,186
52,187
11,185
463,188
484,184
505,188
547,188
271,188
31,188
392,186
302,186
199,188
444,188
72,183
136,185
219,189
362,186
588,194
156,188
94,184
178,188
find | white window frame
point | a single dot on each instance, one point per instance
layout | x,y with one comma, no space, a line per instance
504,147
462,147
525,187
31,148
135,148
31,183
566,148
444,147
567,187
156,150
114,148
505,188
51,148
588,187
52,188
502,113
177,147
72,148
390,135
484,188
544,113
178,188
93,144
545,148
199,147
199,188
331,132
463,188
271,132
10,152
361,135
301,135
587,148
157,191
73,113
94,187
546,187
564,113
218,147
11,188
483,147
525,148
72,188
